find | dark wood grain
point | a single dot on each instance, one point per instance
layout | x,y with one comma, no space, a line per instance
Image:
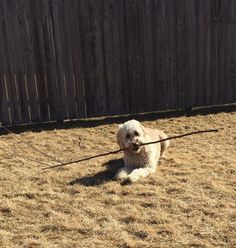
83,58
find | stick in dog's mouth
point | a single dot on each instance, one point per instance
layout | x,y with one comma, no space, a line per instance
121,150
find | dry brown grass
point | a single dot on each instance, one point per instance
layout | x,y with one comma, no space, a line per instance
189,202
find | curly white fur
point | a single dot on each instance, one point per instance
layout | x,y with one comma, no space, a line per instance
139,161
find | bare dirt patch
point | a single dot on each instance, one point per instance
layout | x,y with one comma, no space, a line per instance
189,202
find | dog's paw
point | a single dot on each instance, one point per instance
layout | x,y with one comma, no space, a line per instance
121,175
130,180
126,182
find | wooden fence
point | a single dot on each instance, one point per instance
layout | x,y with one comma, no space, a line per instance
67,59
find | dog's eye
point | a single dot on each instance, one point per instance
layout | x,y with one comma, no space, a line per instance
128,136
136,133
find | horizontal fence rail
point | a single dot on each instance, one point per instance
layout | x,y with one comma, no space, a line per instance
72,59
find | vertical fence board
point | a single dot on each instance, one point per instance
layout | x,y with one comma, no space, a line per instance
231,58
169,66
111,56
198,46
137,87
92,48
4,117
78,65
9,63
40,46
123,56
27,38
18,26
50,71
157,77
58,62
67,46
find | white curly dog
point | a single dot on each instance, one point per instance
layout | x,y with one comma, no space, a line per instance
139,161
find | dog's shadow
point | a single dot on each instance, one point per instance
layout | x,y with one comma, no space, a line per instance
101,177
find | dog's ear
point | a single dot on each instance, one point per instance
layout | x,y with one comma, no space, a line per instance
119,137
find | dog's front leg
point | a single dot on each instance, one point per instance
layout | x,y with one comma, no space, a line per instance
136,174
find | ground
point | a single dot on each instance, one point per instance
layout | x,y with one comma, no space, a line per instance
189,202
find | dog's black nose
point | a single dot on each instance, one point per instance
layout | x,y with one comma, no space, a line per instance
135,146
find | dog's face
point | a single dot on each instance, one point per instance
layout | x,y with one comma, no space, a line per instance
131,135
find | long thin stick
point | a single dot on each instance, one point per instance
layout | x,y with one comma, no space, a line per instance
120,150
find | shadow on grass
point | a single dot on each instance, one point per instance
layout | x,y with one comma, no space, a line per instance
101,177
93,122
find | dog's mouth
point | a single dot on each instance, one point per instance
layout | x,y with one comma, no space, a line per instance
135,147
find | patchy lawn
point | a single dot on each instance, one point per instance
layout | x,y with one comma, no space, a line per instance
189,202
